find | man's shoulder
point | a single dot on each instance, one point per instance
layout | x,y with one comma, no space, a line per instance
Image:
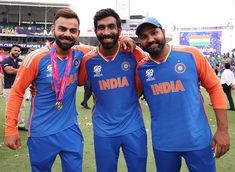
6,62
186,49
35,56
84,48
143,61
91,53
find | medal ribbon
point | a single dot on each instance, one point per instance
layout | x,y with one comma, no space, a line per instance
60,86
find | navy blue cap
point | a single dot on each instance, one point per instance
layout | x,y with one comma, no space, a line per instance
146,21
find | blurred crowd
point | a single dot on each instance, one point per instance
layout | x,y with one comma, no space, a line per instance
218,61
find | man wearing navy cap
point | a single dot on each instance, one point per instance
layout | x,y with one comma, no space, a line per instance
170,79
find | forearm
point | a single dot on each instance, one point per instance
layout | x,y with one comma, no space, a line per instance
12,111
11,70
217,97
221,119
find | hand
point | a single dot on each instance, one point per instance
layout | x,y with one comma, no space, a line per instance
33,90
13,142
220,143
233,87
127,44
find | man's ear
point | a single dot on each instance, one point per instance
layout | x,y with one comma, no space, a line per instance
78,33
120,31
95,30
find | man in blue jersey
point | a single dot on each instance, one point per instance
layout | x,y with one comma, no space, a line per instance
53,127
117,116
170,79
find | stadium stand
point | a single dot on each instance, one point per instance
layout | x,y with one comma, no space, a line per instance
26,23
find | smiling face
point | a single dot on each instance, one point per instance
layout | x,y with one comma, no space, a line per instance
107,32
15,52
152,39
66,31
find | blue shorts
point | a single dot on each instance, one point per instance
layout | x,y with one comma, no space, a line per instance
197,161
134,147
68,144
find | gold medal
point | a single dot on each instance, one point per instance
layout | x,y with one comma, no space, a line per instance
59,105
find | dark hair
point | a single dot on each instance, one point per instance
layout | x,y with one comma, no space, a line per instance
227,66
106,13
66,13
15,45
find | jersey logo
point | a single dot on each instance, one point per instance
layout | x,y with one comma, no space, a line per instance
49,71
125,66
113,83
97,70
149,75
167,87
180,67
76,63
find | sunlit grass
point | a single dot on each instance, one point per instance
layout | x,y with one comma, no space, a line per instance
18,161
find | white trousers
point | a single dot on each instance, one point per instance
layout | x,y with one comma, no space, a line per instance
21,119
1,83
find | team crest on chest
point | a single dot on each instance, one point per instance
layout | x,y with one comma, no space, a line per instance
125,66
149,74
180,67
97,71
76,63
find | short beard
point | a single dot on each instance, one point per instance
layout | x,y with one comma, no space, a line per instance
157,50
14,56
108,45
153,52
63,46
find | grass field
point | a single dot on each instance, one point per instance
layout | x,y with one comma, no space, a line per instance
18,161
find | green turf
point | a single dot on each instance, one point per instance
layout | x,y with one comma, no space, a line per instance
18,161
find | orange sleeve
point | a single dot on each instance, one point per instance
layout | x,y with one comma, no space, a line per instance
82,75
84,48
138,82
139,54
209,80
26,74
137,79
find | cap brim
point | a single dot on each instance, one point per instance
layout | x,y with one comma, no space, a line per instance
140,27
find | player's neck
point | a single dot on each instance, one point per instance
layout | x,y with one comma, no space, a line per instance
14,58
61,53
